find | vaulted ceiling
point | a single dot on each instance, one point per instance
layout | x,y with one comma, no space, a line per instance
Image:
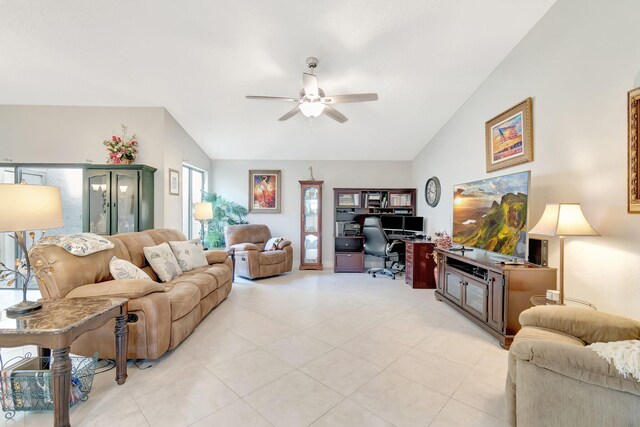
200,58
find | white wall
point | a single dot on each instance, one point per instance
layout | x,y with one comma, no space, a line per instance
577,63
178,147
61,134
230,178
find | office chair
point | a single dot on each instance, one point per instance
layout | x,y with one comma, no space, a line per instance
377,243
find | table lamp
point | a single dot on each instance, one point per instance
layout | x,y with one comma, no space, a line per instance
202,211
28,207
563,219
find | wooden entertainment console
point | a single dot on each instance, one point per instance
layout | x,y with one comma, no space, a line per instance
490,294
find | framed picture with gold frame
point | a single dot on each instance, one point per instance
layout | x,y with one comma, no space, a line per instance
509,137
264,191
633,193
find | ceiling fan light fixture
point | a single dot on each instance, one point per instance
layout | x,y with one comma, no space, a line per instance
311,109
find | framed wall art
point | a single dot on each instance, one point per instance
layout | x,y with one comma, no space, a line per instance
174,182
264,191
633,113
509,137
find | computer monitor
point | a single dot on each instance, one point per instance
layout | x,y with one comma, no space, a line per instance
392,222
414,223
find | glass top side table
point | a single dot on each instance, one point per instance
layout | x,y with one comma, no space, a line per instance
542,300
55,326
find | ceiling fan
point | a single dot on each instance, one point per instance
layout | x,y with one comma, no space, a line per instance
312,101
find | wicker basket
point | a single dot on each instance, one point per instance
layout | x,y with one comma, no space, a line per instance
26,387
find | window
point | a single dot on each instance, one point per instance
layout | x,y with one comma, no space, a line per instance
193,184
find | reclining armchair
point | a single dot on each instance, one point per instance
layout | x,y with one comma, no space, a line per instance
553,380
252,260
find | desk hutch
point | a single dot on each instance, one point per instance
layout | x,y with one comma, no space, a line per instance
351,206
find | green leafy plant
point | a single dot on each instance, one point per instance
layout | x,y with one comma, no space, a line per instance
225,212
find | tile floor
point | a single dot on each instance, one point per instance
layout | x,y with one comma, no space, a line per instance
310,349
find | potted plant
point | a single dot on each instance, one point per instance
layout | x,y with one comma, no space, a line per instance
225,212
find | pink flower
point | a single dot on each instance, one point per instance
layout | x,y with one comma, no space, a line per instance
134,142
114,138
119,140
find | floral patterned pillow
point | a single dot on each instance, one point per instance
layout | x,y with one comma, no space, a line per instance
190,254
163,262
121,269
272,244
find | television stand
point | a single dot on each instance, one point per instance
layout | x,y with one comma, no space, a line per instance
462,249
489,294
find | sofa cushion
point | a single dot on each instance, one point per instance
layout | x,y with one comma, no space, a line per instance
183,297
215,256
122,269
220,272
134,242
205,282
272,257
163,261
130,288
189,253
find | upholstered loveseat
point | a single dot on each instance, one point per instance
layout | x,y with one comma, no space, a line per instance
553,380
252,261
162,315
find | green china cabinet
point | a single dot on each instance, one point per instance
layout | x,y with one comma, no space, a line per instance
117,198
311,225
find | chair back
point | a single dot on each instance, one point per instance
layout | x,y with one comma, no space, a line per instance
375,239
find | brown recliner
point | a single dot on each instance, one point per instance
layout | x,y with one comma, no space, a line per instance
162,315
252,261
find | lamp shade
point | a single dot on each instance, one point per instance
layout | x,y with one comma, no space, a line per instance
202,210
563,219
29,207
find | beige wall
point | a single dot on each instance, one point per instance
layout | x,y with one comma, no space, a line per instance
230,178
577,63
61,134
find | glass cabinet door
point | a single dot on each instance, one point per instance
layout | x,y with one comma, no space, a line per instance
475,299
311,225
98,203
125,195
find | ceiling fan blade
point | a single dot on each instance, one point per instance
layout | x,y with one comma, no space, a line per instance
335,114
290,114
273,98
356,97
310,84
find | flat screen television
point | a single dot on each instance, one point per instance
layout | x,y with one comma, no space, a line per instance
391,222
414,223
491,214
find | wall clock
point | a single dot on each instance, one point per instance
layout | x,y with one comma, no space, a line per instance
432,191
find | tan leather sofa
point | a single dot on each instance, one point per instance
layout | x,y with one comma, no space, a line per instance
161,314
252,261
554,380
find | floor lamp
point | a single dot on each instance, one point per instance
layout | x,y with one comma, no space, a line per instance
203,212
562,220
27,207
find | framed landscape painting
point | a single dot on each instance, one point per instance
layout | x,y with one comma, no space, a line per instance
509,137
264,191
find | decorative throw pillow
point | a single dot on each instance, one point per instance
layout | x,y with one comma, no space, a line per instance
190,254
163,262
272,243
121,269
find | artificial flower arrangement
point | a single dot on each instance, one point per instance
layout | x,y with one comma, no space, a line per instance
120,149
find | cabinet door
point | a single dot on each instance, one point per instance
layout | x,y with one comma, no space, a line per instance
124,196
453,286
475,299
97,218
311,225
496,301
